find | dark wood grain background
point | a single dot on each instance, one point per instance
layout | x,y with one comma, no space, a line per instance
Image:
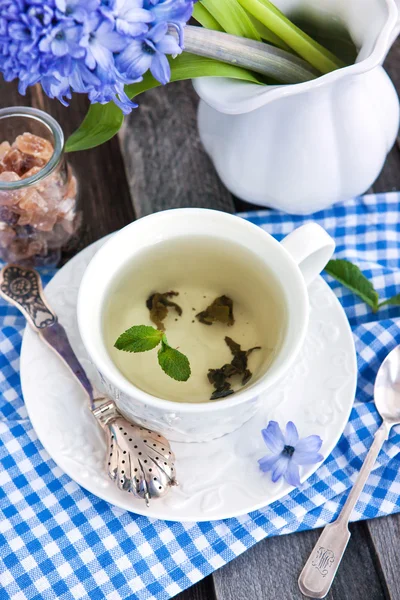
156,163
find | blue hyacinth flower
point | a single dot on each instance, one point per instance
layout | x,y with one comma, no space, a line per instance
288,452
62,40
94,47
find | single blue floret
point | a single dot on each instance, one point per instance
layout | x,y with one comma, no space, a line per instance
288,452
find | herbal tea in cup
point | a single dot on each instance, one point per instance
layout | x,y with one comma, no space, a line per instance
191,316
194,319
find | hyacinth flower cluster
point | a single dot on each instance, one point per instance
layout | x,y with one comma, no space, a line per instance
93,47
113,50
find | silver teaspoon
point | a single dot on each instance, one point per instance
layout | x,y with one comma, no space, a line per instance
319,571
138,460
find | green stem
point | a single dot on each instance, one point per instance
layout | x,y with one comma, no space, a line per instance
269,37
300,42
259,57
231,16
205,18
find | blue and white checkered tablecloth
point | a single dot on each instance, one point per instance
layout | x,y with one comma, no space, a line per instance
59,541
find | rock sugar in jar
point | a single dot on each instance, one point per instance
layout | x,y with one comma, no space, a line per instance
38,190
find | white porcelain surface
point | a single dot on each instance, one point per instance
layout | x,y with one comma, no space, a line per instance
297,260
218,479
301,148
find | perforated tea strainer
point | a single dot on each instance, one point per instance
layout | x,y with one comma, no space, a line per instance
138,460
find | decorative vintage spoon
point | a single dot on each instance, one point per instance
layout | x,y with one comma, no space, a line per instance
138,460
319,571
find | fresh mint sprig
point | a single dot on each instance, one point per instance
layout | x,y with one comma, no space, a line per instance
142,338
352,277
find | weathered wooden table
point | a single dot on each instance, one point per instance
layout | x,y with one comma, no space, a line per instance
157,163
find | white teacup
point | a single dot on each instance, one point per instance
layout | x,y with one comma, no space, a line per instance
294,263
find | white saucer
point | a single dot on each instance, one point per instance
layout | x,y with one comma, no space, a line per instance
218,479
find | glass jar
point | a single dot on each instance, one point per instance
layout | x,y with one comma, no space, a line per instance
38,190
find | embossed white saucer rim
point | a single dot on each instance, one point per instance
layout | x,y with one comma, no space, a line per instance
211,474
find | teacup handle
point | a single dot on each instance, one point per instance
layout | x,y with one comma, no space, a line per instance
311,247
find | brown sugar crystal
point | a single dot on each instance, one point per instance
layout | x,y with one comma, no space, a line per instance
34,145
36,220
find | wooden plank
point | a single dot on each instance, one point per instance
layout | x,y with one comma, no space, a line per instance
165,162
385,535
204,590
269,571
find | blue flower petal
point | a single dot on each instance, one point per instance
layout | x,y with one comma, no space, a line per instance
312,443
133,61
135,14
160,68
292,436
131,29
273,437
169,45
267,462
157,33
279,468
59,47
111,40
292,474
19,31
306,458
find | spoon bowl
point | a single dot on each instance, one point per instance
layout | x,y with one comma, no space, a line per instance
387,388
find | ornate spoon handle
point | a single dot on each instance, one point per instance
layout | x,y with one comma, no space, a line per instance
23,288
319,571
142,462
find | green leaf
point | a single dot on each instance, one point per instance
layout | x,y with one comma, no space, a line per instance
393,301
139,338
190,66
173,363
351,277
268,36
310,50
100,124
202,16
103,121
231,16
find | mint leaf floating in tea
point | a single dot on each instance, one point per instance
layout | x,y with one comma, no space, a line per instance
158,305
173,363
237,366
141,338
219,310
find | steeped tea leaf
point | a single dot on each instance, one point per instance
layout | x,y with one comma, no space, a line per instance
350,276
220,310
173,363
238,366
139,338
158,305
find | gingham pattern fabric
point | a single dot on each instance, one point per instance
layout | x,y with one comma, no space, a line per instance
59,541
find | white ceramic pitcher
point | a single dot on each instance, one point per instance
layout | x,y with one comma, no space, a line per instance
301,148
